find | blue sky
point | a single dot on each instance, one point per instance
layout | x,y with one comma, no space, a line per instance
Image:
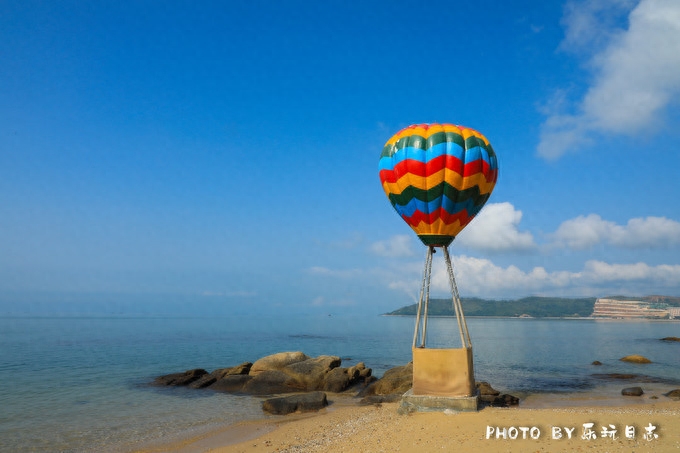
225,154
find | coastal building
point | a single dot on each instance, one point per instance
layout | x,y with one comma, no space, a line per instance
612,308
674,312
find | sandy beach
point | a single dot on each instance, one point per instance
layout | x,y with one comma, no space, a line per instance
345,427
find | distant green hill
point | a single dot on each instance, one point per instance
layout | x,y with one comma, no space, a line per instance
669,300
538,307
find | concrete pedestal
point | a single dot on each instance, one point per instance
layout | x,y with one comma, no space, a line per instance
428,403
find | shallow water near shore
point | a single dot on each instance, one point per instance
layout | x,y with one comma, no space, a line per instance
81,383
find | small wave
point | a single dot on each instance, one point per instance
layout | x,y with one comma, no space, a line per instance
310,337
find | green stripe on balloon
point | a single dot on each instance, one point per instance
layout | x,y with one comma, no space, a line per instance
437,191
420,142
435,240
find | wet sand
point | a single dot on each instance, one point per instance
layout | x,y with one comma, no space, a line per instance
538,425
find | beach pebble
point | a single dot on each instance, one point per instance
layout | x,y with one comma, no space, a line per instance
632,391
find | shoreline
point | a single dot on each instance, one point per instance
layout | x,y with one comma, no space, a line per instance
346,426
565,318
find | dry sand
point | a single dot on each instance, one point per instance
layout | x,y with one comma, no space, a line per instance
345,427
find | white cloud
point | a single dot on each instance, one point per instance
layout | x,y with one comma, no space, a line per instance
481,277
661,276
409,280
583,232
399,245
636,72
495,229
591,24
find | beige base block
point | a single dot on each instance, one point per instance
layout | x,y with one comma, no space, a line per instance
443,372
426,403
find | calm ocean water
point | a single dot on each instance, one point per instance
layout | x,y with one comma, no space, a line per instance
81,383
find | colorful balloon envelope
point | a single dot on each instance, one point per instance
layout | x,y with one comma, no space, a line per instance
438,177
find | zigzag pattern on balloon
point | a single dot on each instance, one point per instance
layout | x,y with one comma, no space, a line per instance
438,177
436,192
425,136
450,178
466,152
392,169
438,228
414,205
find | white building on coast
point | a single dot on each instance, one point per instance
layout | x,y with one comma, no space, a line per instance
612,308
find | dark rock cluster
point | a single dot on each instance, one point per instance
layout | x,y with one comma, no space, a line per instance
308,378
285,372
492,397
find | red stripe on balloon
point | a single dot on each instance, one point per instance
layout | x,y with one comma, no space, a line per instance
425,169
437,214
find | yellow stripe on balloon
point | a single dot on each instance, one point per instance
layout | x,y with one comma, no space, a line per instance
451,177
435,129
438,227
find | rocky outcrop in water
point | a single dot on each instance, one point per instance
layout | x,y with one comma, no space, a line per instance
179,379
635,358
285,372
209,379
277,361
309,378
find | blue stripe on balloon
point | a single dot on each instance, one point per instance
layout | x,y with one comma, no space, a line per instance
450,148
473,154
430,206
420,155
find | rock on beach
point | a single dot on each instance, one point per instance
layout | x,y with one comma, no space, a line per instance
632,391
395,380
673,394
305,402
309,378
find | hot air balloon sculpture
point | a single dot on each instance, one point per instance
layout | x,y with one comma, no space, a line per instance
438,177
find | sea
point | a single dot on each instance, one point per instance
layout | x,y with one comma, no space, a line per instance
82,383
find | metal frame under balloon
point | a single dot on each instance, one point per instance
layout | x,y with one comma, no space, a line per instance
441,372
420,333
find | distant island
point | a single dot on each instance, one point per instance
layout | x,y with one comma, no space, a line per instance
658,307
